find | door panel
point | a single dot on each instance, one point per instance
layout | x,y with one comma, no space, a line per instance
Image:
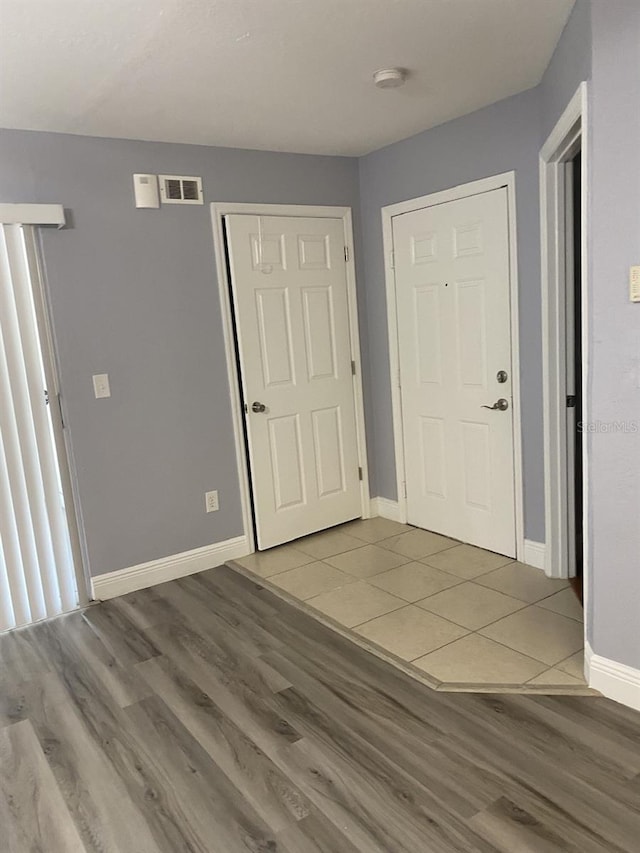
327,446
319,330
290,298
285,451
274,324
477,465
427,333
471,326
454,333
432,445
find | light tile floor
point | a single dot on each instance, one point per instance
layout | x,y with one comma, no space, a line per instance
456,616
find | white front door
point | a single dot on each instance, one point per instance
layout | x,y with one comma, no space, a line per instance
292,321
454,332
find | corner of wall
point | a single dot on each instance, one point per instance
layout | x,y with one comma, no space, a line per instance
614,680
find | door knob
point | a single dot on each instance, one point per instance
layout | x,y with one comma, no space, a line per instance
258,407
501,404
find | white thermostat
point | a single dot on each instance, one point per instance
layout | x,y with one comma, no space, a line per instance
145,188
634,284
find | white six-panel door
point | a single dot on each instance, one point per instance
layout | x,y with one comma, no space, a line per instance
289,290
453,309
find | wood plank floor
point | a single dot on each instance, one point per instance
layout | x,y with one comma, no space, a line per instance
207,714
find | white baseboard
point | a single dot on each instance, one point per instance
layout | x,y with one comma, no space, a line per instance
168,568
588,654
385,509
614,680
534,554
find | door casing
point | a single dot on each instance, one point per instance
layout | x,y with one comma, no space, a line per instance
64,451
218,211
570,132
464,190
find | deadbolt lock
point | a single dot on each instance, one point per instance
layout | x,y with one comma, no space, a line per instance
502,376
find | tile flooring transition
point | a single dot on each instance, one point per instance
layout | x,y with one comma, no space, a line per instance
452,615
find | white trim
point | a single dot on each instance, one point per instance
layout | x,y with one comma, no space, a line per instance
385,509
394,359
354,329
144,575
572,126
232,376
614,680
588,654
507,180
534,554
518,469
566,124
32,214
218,211
60,434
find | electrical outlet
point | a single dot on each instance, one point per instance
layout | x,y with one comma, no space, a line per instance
211,501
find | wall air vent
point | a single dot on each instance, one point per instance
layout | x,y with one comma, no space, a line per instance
178,189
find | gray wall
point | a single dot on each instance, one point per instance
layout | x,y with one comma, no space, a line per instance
498,138
133,294
615,331
502,137
569,66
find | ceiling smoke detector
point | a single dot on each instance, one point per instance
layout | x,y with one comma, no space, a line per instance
389,78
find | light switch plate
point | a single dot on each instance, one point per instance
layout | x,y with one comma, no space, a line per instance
634,284
101,385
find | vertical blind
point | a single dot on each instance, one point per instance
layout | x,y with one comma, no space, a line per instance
37,577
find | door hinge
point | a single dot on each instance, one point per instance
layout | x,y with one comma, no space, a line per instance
346,254
60,408
353,368
404,488
392,259
571,401
360,473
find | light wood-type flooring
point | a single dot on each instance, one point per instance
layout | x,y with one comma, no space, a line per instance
207,714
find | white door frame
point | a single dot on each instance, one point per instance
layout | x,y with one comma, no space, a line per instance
463,191
218,211
570,132
60,433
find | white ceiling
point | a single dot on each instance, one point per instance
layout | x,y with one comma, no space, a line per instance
288,75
